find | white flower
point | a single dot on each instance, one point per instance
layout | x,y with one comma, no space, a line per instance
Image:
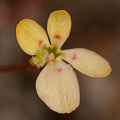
57,84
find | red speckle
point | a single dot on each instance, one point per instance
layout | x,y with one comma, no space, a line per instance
40,41
74,56
48,59
57,36
34,64
59,69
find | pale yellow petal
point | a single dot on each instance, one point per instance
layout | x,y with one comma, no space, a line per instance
87,62
58,27
57,85
30,36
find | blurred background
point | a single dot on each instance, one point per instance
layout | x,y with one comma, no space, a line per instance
95,26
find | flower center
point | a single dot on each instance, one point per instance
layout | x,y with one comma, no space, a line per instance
45,55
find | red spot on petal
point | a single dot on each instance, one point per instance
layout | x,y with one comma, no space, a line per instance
57,36
40,41
59,69
74,56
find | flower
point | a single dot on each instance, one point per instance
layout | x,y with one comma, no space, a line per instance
57,84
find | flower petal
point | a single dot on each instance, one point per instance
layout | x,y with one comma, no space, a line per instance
87,62
30,36
58,87
58,27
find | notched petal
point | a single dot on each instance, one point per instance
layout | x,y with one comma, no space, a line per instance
30,36
58,27
57,85
87,62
